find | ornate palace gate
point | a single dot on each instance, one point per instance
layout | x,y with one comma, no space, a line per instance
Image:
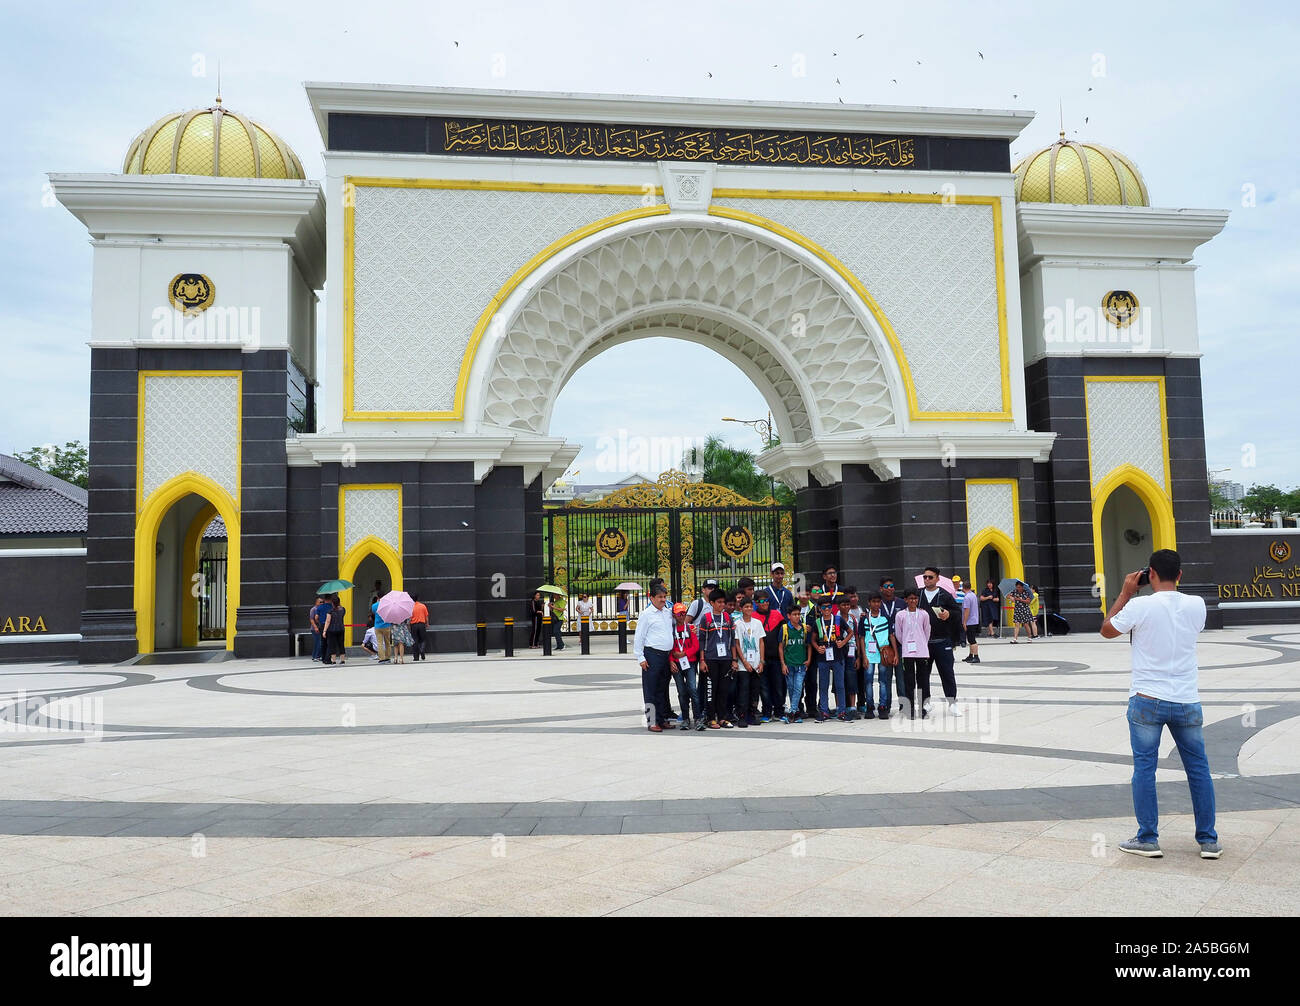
685,532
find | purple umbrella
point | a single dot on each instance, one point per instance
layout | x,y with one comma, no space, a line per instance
396,606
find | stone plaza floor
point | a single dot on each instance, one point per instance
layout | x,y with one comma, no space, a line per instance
484,785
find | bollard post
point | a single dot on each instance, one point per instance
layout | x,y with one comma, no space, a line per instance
510,636
546,635
482,639
586,635
622,633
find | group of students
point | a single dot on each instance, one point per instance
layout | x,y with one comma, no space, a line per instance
747,657
386,642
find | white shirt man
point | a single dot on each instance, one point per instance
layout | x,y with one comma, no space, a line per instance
651,646
1163,693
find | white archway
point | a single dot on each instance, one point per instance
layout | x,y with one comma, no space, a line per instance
821,358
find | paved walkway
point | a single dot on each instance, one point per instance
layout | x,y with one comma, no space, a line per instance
485,785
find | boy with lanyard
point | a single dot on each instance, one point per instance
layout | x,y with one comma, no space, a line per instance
718,647
794,653
890,606
828,640
750,636
681,661
859,683
772,682
875,635
846,693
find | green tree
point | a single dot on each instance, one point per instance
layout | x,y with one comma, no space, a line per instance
69,462
1217,500
1264,501
724,465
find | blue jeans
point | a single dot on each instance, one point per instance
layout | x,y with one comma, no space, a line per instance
844,682
688,690
317,645
826,671
1147,719
794,687
885,698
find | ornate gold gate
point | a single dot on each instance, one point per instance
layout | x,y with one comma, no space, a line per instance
681,531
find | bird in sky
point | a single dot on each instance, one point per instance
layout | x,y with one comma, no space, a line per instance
708,74
456,44
979,54
893,81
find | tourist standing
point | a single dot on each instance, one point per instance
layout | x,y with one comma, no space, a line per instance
537,607
419,627
317,617
846,680
719,655
782,598
1022,612
970,612
827,642
683,663
400,634
875,638
890,605
912,633
651,647
990,603
794,662
750,635
945,623
557,621
383,633
585,609
334,629
773,681
1163,692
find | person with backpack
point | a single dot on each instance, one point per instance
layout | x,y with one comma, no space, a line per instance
828,643
794,652
772,680
718,646
875,640
682,661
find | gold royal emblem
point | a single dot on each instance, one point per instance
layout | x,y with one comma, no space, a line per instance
191,292
1280,551
611,544
736,541
1120,307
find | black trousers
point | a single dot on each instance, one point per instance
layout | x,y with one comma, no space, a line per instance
915,670
720,689
536,638
941,654
417,634
745,684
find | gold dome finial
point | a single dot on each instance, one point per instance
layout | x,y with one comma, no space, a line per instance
215,141
1072,171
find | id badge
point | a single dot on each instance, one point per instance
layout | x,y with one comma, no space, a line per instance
683,663
872,649
852,648
722,649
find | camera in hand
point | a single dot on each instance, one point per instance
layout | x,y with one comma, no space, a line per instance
1144,578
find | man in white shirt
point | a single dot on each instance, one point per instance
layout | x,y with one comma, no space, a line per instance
652,647
1163,693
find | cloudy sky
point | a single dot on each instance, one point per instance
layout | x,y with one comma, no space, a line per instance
1201,96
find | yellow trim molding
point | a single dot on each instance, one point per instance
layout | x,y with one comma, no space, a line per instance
979,538
368,545
189,569
1160,510
457,411
139,426
151,516
1155,379
995,202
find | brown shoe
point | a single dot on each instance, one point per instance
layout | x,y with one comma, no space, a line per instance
656,729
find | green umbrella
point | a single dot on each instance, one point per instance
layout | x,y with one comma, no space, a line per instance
548,588
334,586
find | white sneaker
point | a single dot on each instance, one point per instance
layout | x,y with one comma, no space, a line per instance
927,705
955,709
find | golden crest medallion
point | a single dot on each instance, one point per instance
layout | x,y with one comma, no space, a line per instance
191,292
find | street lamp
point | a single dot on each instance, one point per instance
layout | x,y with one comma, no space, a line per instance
763,427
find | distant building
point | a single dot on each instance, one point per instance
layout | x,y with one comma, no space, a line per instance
1231,491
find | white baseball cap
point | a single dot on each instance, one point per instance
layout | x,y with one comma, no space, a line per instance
776,566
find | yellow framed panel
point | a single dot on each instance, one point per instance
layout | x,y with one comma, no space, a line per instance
457,411
147,523
367,545
994,202
1008,548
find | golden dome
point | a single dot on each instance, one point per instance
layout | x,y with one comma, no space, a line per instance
1070,172
211,141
